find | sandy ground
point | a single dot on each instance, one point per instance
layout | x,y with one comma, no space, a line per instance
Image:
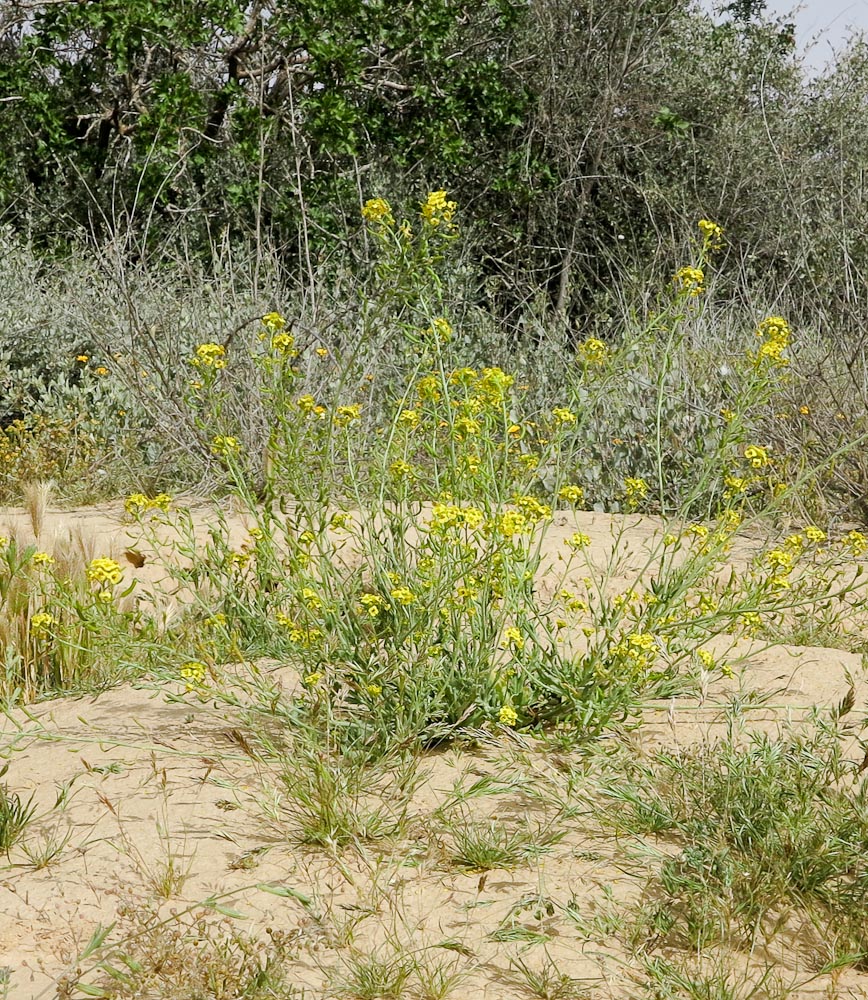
154,781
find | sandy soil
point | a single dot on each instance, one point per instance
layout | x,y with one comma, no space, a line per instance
153,782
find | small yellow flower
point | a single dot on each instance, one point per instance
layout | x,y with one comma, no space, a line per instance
377,211
757,456
690,281
101,370
194,672
635,491
305,403
310,598
815,534
440,329
706,658
401,469
284,344
437,211
41,622
805,410
578,540
572,494
224,445
409,418
82,359
347,414
712,234
507,716
856,542
563,415
374,690
513,639
311,680
321,352
104,571
593,352
273,322
209,356
403,595
42,559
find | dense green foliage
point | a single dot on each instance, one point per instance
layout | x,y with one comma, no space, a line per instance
582,136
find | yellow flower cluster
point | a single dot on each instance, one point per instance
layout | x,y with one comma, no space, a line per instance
856,542
507,716
308,406
572,494
593,352
209,356
758,457
404,596
638,649
437,211
345,415
273,322
563,415
635,491
378,212
41,622
712,235
690,281
578,540
775,333
445,516
138,503
440,329
224,445
372,605
194,673
532,509
104,571
42,559
284,344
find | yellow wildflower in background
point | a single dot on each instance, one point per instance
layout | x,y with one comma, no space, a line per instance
572,494
409,418
438,211
690,281
563,415
532,509
856,542
593,352
209,356
712,235
273,322
507,716
403,595
104,571
224,445
757,456
440,329
194,673
311,680
578,540
378,211
775,333
42,559
41,622
284,344
513,639
347,414
372,605
635,491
